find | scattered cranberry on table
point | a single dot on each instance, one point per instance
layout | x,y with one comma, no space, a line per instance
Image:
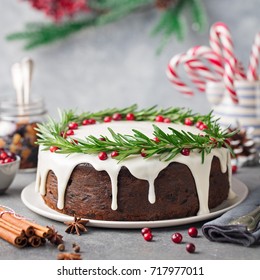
177,238
193,232
6,156
145,230
148,236
190,248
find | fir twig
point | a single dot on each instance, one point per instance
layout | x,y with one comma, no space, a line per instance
106,11
168,146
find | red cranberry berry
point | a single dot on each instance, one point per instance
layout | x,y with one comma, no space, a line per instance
117,117
107,119
198,123
73,125
6,156
70,132
114,154
143,153
190,247
148,236
102,139
130,117
88,121
193,232
102,155
145,230
3,155
91,121
188,122
185,152
203,126
156,139
167,120
234,169
53,149
159,118
177,238
8,160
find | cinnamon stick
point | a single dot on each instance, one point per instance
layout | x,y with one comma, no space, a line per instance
9,217
35,241
39,230
12,237
11,227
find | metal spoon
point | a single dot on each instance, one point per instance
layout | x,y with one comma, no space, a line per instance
27,69
250,220
17,77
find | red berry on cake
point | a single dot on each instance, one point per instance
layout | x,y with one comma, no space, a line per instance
193,232
117,117
188,122
92,121
203,126
145,230
177,238
88,121
114,154
156,139
130,117
53,149
73,125
185,152
70,132
167,120
143,153
190,247
102,155
107,119
198,123
148,236
159,118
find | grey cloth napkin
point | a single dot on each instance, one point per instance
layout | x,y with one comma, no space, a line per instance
219,229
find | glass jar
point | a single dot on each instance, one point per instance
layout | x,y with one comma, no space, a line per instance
17,129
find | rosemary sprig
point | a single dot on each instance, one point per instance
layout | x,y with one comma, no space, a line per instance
168,144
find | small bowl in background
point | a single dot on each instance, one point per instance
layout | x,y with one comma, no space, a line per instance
7,173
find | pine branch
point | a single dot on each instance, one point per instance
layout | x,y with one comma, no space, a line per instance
167,146
40,34
106,11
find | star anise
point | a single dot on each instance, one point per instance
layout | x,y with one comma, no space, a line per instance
55,238
77,226
68,256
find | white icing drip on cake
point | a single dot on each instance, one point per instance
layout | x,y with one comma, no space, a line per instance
141,168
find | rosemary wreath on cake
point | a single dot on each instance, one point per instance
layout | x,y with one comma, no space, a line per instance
58,136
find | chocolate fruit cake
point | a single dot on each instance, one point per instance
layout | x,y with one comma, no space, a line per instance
133,165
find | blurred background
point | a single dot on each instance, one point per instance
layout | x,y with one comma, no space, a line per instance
117,64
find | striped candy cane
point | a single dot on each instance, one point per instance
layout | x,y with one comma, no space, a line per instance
252,74
172,75
205,52
221,42
194,76
229,78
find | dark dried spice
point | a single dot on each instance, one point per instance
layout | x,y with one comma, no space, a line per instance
77,226
68,256
55,238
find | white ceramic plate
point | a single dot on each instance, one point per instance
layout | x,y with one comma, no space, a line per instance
34,202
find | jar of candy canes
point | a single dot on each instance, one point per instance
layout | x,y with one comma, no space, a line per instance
17,129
